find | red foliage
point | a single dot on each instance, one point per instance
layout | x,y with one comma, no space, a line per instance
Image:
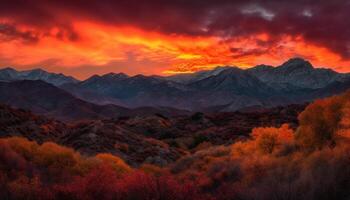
100,183
142,186
270,165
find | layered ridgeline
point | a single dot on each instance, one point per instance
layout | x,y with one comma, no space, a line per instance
222,89
9,74
139,139
310,162
46,99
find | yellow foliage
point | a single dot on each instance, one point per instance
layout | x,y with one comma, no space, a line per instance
270,138
56,157
59,160
115,162
320,122
241,148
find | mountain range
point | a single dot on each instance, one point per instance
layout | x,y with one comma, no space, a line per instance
223,89
10,74
47,99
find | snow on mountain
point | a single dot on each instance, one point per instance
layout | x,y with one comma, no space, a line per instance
10,74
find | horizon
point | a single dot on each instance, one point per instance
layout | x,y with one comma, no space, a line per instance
169,37
167,75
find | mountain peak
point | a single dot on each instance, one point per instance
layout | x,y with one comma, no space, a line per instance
10,74
220,68
296,63
115,75
8,69
262,67
140,76
93,77
231,70
37,70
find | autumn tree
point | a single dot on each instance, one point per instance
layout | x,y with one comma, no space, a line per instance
268,139
320,121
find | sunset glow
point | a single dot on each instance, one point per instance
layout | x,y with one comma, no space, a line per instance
85,47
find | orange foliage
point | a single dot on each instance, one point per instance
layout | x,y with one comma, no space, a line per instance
116,163
269,139
50,171
272,164
321,121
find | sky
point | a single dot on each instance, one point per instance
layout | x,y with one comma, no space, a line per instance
85,37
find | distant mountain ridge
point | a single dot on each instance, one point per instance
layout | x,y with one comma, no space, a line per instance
222,89
46,99
295,71
299,73
197,76
10,74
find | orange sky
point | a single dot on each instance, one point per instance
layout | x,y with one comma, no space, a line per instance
103,48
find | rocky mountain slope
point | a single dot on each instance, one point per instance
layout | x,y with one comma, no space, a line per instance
223,89
10,74
298,73
43,98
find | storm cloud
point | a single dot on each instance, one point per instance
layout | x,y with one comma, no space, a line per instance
321,22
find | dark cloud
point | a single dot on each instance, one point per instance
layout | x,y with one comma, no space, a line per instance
241,52
10,32
320,22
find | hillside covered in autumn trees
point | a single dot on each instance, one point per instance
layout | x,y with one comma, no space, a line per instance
310,161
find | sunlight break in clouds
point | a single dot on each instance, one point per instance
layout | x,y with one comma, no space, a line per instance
103,45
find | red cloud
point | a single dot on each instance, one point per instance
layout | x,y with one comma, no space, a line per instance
230,31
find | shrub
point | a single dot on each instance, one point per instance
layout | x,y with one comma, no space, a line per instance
320,121
116,163
269,139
